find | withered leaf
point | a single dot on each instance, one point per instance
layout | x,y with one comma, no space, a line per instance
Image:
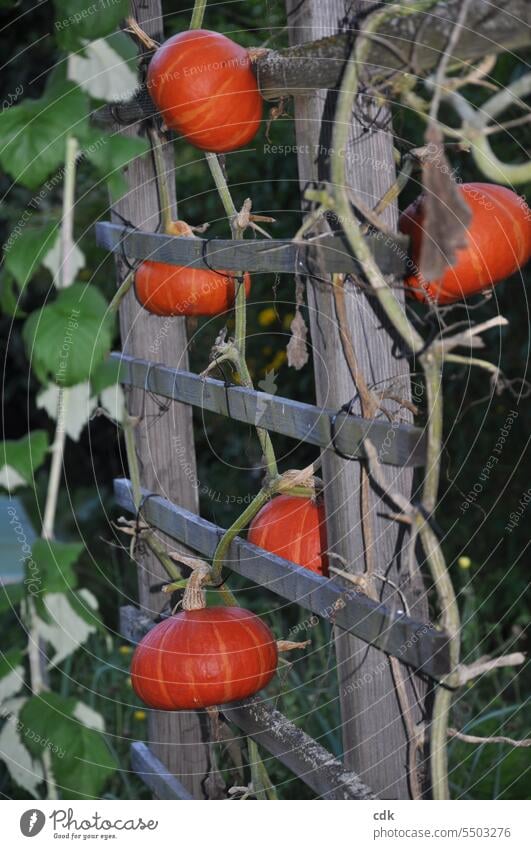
446,213
297,349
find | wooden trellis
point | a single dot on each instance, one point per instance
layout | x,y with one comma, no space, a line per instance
415,643
364,628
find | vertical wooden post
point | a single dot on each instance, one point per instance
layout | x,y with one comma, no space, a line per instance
175,738
374,736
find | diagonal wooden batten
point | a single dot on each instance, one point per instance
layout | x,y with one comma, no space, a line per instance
417,644
303,755
155,775
255,255
396,444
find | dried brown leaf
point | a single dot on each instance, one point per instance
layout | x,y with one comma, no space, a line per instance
446,213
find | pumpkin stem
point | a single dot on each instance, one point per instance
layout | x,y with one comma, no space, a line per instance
194,595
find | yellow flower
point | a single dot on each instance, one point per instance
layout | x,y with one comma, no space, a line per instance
125,649
140,715
464,562
288,318
267,317
278,360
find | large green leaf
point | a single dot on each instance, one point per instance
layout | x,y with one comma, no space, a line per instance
10,596
68,338
24,455
11,674
106,374
33,133
81,761
53,564
9,296
110,154
27,251
80,20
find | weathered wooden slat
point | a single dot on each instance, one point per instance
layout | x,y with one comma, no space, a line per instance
412,43
391,630
163,784
303,755
489,28
397,445
267,255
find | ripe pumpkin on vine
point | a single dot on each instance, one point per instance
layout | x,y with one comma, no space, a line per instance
499,243
204,87
170,290
292,527
205,657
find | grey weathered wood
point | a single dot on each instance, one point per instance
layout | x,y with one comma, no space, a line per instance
175,739
489,28
312,763
385,626
268,255
375,742
397,445
162,783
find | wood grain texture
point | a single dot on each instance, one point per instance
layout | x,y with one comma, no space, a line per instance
267,255
489,28
175,740
386,626
374,737
402,445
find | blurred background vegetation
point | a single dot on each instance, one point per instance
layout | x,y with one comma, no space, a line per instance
489,567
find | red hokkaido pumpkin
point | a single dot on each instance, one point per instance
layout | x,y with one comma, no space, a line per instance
165,289
176,290
201,658
204,87
499,243
294,528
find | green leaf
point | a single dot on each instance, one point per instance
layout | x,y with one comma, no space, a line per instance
26,252
9,297
60,626
83,604
81,20
10,596
53,564
11,674
81,760
106,374
25,455
34,132
68,338
9,660
110,155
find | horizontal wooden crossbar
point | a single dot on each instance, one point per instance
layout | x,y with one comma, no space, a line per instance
396,444
417,644
303,755
266,255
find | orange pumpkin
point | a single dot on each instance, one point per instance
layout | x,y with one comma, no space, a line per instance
201,658
499,243
294,528
175,290
204,87
165,289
